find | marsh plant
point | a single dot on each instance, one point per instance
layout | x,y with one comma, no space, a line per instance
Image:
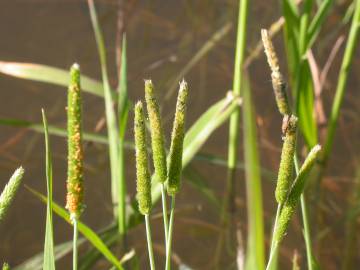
160,165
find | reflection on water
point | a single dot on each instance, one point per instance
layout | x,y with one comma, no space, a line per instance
163,36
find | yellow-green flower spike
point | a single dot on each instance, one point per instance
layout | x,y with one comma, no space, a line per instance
143,180
6,266
286,168
278,82
157,134
9,191
177,139
295,193
75,174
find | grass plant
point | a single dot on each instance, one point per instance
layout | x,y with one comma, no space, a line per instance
303,27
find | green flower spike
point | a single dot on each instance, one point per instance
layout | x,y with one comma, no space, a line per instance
278,82
9,191
143,183
6,266
177,139
75,185
295,193
286,163
157,134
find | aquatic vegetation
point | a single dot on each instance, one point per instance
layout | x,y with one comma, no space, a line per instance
163,164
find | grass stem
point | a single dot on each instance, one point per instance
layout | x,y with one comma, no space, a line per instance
170,232
165,214
149,242
75,238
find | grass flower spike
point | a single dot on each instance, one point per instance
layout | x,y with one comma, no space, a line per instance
143,183
75,188
278,82
286,167
177,139
157,134
295,193
9,191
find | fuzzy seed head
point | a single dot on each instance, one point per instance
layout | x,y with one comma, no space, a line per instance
5,266
285,174
143,183
8,194
157,133
177,139
74,185
295,193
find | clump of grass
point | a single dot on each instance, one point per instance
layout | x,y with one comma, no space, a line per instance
9,191
75,185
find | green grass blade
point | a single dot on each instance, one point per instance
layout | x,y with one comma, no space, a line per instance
109,111
318,20
342,81
88,233
48,74
255,258
36,262
49,259
206,124
123,110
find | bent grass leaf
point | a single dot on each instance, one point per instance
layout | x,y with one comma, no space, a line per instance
48,74
88,233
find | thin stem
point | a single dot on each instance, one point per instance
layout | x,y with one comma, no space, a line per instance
274,245
149,242
75,237
165,215
304,212
170,232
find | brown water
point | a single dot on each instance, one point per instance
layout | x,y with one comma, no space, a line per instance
162,37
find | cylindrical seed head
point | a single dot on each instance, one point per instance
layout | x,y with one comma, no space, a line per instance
285,174
295,193
75,174
157,134
9,191
177,139
278,82
143,180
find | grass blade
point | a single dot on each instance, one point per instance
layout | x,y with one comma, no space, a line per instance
255,258
109,111
88,233
342,81
48,74
49,259
123,110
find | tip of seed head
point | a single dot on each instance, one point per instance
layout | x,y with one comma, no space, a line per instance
138,105
316,148
183,85
75,66
148,81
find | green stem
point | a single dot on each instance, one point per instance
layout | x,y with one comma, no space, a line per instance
170,232
342,80
304,212
165,215
149,242
274,245
75,237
